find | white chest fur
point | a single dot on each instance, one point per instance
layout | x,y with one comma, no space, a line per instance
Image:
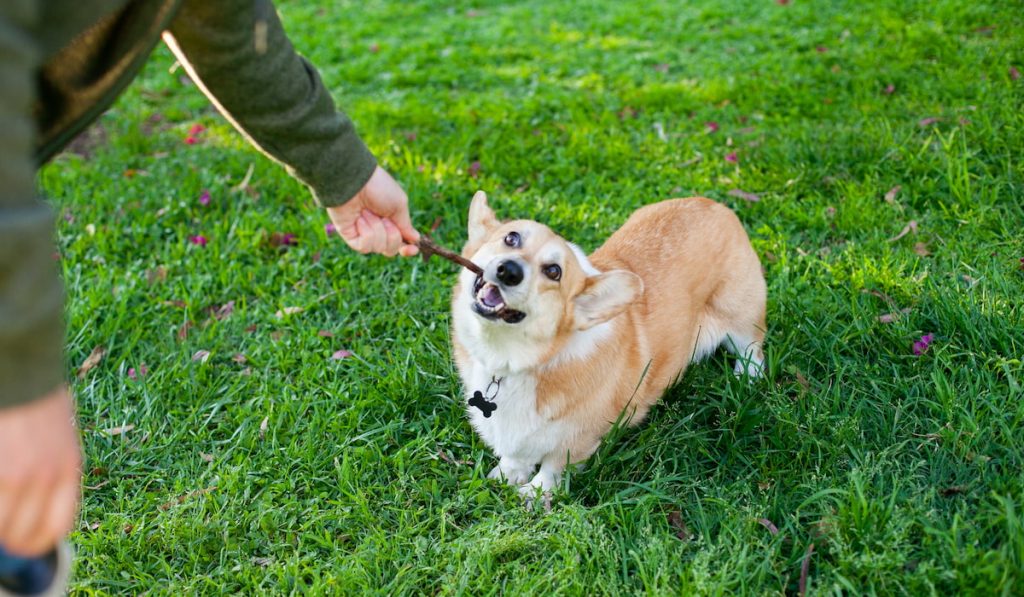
515,429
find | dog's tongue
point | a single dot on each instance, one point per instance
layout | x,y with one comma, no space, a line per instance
492,297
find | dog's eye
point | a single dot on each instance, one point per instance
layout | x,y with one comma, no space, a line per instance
513,240
553,271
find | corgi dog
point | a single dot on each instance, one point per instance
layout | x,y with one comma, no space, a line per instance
552,345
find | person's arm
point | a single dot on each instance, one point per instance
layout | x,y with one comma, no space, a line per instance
39,455
31,297
238,54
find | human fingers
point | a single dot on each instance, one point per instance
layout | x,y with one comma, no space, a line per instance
360,241
394,238
378,240
59,518
22,534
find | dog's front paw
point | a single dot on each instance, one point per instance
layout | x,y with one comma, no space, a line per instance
750,368
511,472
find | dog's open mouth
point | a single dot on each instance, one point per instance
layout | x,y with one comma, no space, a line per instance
490,303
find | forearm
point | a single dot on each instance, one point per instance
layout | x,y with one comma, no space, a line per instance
31,299
239,55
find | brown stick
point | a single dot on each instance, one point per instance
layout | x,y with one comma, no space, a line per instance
428,247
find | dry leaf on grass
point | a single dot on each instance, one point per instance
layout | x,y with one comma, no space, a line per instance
802,382
921,249
91,361
263,426
115,431
675,519
224,310
157,274
891,317
183,330
805,568
441,454
752,197
182,498
890,197
910,227
288,311
201,355
774,530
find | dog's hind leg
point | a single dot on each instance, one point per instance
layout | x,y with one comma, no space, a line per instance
738,313
746,345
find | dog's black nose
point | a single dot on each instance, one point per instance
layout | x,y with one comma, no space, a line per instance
510,273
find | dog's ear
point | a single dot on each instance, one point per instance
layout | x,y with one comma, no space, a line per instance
605,296
481,221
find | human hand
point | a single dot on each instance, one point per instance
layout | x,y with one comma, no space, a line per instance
377,220
40,473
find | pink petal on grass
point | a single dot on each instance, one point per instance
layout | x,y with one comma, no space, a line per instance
1014,73
731,157
922,345
330,229
752,197
191,140
136,375
341,354
204,197
198,239
927,122
474,169
889,89
201,355
195,129
821,49
711,126
374,48
284,239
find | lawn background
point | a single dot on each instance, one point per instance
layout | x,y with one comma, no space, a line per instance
297,471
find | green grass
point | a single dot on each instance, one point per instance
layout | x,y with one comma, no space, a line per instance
293,472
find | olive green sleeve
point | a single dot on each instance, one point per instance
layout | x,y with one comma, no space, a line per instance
239,55
31,298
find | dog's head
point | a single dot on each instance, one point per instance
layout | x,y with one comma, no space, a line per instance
536,286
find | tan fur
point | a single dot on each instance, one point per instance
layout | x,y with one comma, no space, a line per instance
700,280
